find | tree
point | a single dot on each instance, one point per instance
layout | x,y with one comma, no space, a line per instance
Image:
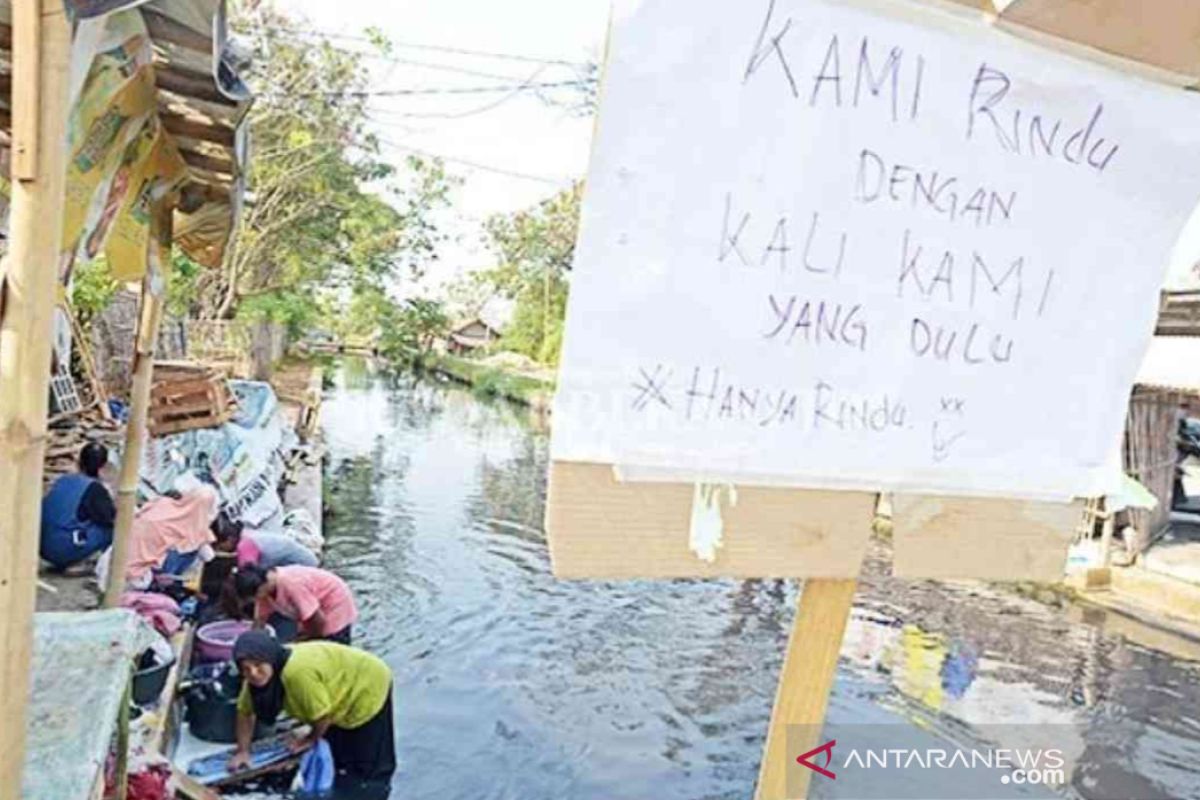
328,213
412,328
535,249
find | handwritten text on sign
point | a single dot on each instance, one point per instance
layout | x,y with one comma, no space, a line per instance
835,247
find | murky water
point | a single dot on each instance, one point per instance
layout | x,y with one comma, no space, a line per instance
510,684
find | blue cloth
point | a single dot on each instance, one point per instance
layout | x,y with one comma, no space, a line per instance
67,539
316,770
177,563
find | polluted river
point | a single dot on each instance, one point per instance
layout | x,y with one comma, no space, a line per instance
511,684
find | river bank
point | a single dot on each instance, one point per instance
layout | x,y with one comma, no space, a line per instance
494,380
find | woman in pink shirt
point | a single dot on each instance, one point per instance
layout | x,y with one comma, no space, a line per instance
318,600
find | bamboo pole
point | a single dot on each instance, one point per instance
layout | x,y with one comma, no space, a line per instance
149,320
804,686
41,54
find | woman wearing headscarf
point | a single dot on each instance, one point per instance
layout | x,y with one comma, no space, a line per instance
344,694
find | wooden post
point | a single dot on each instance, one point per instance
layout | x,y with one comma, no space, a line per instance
149,319
122,776
41,55
805,682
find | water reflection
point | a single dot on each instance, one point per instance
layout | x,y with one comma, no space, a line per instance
510,684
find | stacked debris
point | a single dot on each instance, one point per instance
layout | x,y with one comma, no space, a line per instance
67,436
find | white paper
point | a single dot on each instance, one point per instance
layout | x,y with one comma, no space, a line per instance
933,267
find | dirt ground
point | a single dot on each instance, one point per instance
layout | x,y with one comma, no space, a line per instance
67,593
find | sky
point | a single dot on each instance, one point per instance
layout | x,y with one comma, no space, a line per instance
545,143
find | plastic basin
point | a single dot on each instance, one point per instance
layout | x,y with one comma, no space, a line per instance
214,641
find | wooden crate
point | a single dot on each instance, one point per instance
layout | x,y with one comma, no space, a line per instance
197,401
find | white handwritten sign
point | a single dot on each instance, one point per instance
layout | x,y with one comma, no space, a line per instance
829,246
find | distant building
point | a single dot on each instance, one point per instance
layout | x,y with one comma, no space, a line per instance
471,336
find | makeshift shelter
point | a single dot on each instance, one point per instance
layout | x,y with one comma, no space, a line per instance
82,668
1167,383
122,131
156,104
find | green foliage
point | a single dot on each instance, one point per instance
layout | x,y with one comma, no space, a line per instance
411,328
490,383
92,288
333,224
486,381
535,249
181,286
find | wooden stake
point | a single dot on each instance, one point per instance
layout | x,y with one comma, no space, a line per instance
122,776
41,55
804,686
149,320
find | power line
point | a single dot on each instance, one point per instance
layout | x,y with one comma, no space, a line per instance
528,82
450,68
407,92
476,165
430,47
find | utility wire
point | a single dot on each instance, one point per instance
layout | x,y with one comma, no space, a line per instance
430,47
476,165
471,112
407,92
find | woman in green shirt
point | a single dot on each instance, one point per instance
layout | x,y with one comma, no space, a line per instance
344,694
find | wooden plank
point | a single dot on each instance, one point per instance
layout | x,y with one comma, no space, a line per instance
599,528
196,127
121,782
1162,34
209,163
179,426
191,84
809,669
981,538
188,788
27,296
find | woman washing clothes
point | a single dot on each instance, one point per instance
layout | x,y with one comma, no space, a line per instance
259,548
318,600
344,694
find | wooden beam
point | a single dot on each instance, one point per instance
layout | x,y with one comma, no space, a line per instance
149,320
599,527
223,166
191,84
809,669
165,29
192,127
27,294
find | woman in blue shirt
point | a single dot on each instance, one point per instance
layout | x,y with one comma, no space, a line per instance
78,512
